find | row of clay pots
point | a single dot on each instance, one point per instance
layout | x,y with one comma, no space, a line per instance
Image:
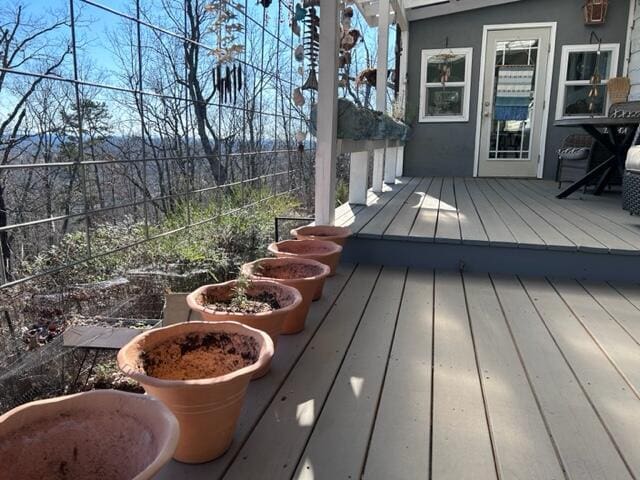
120,435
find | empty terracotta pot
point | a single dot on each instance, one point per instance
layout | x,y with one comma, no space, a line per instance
200,370
303,274
97,434
329,233
288,298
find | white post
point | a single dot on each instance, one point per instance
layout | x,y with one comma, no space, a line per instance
381,88
327,121
358,177
404,61
400,161
378,170
390,165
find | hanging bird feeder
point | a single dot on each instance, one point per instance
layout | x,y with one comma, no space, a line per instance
595,12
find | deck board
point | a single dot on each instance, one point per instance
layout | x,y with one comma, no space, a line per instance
582,441
448,228
461,446
525,236
401,225
549,234
625,313
378,224
612,339
349,410
523,447
399,442
616,403
471,227
579,237
589,223
426,221
497,231
279,438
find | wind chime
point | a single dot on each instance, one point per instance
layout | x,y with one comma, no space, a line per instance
595,80
228,76
444,60
311,44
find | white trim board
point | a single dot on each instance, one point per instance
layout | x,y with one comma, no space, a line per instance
614,48
547,96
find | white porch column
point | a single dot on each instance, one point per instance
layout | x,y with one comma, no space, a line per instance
400,161
378,170
327,121
358,177
390,165
381,88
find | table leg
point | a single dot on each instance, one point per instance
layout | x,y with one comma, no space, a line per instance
604,180
601,169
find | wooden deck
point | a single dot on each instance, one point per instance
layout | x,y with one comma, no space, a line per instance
407,374
498,213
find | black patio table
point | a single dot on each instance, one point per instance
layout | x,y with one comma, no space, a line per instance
612,138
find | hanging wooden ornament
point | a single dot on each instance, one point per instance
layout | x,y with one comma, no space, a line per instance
311,47
298,97
300,136
298,54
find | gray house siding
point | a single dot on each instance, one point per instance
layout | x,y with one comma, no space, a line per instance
448,148
634,55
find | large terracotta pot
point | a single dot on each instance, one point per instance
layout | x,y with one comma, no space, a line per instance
97,434
271,322
303,274
200,370
319,250
328,233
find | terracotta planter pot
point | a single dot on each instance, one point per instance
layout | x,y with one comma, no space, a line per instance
319,250
97,434
200,370
270,322
328,233
305,275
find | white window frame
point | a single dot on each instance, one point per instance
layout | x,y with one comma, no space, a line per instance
466,84
614,48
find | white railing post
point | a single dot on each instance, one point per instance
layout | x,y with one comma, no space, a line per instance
390,165
327,120
381,88
358,177
377,176
400,161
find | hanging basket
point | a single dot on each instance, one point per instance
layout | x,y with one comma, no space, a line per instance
595,12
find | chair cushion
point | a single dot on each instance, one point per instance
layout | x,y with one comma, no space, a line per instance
633,160
574,153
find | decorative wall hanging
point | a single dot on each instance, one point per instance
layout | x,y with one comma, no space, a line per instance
444,60
298,53
595,11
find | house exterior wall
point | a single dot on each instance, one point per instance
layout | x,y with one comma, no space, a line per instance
634,55
448,148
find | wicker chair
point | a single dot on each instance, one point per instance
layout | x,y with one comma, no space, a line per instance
574,158
631,176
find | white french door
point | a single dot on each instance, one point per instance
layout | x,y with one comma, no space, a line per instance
514,77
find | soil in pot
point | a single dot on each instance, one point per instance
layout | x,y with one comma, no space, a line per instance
198,355
252,304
